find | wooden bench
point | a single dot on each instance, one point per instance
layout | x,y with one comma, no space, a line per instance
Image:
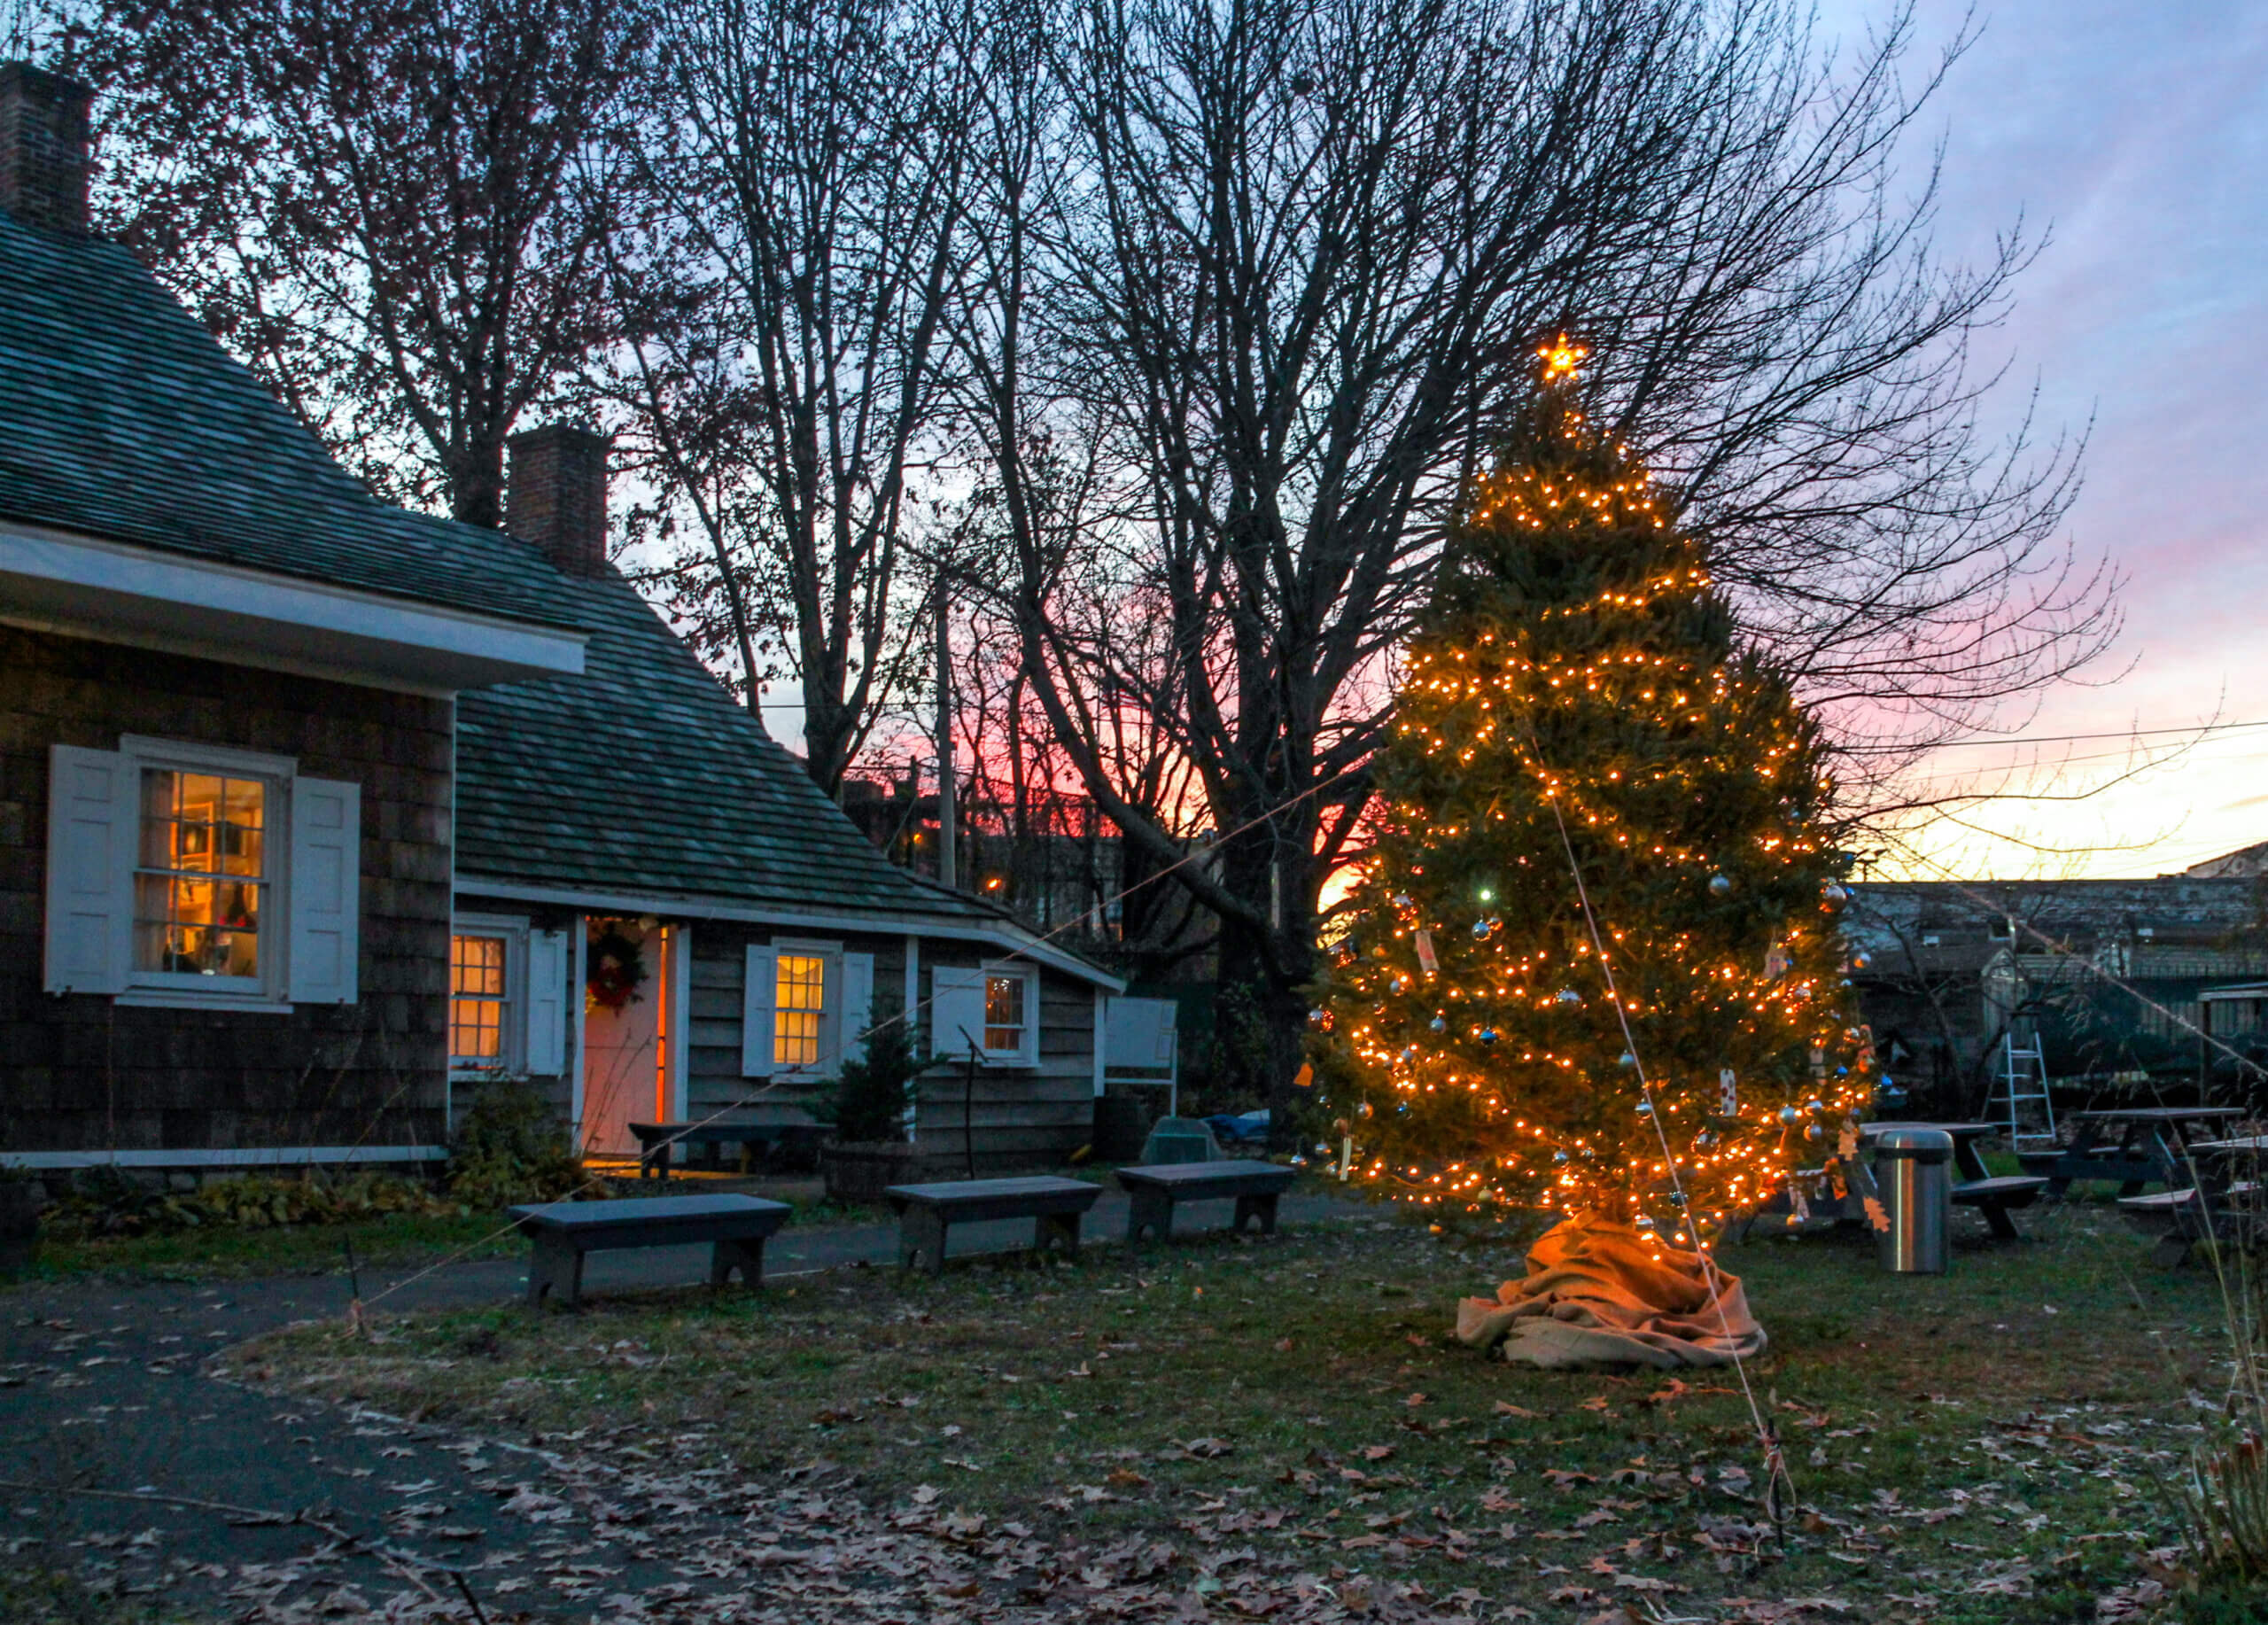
564,1230
1994,1198
926,1212
1152,1191
655,1140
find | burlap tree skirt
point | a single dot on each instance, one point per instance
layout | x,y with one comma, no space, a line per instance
1600,1294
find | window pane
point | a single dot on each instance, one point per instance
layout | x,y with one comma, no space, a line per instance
798,1004
477,1000
1004,1013
197,892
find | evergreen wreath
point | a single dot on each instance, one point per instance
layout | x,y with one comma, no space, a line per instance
618,971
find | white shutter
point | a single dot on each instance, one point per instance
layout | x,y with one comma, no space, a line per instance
858,1010
957,1012
92,825
326,891
756,1012
546,1003
1031,1018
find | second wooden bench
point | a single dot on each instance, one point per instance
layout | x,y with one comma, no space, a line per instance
1152,1191
926,1212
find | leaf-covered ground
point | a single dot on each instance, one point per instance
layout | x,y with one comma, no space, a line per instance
1280,1429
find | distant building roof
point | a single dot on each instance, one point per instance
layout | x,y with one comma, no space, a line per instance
2244,863
128,422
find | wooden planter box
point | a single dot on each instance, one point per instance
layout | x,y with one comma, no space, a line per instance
861,1171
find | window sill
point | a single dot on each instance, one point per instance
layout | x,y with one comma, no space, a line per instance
166,998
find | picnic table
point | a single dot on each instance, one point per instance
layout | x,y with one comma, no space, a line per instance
2133,1145
563,1231
1992,1195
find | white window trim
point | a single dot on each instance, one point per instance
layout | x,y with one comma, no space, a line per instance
830,1009
1026,1055
166,990
513,931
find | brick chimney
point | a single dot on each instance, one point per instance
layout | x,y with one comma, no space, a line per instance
555,494
44,139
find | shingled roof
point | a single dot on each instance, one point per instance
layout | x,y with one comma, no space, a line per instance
127,421
642,776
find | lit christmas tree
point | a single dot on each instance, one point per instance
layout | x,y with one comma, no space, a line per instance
1577,703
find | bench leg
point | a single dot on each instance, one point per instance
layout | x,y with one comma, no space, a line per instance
746,1256
922,1240
1051,1227
655,1164
556,1269
1262,1207
1149,1210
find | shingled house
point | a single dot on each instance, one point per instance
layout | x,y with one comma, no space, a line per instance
313,809
635,813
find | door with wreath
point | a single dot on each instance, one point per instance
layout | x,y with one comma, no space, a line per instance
627,1022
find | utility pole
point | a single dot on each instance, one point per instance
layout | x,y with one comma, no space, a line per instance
948,813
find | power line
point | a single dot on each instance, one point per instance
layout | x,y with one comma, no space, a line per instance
2059,738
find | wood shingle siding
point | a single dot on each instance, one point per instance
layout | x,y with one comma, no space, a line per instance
84,1071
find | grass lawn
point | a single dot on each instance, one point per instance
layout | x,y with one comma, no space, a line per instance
1986,1446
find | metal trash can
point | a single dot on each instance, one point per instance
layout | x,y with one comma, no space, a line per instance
1914,1172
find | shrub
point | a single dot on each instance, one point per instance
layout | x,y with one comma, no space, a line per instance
869,1102
512,1147
105,1202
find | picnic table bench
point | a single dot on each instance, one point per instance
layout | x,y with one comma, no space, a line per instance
655,1140
2217,1206
926,1212
1152,1191
564,1230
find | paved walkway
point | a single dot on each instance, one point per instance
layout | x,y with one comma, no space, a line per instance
102,1389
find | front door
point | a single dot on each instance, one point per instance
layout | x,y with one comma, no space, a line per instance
625,1068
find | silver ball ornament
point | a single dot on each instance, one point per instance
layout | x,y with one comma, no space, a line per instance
1440,1023
1567,996
1364,1110
1789,1116
1720,885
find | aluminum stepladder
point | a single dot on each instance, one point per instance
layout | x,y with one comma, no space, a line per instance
2021,1082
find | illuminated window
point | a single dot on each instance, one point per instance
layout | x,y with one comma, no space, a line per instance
201,887
1006,1011
478,999
799,1005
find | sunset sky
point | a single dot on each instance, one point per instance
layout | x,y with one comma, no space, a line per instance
2137,138
2139,135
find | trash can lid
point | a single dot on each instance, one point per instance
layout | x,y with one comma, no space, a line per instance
1919,1145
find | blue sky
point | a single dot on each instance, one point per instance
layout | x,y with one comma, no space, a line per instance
2137,133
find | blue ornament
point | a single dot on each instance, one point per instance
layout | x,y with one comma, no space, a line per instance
1440,1023
1720,885
1567,996
1629,1060
1487,1035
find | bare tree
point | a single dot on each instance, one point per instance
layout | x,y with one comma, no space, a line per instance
783,305
1288,262
375,205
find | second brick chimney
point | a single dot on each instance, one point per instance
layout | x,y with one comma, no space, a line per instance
555,494
44,139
